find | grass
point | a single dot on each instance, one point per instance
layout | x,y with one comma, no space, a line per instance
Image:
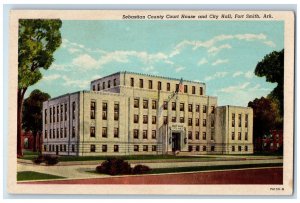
31,175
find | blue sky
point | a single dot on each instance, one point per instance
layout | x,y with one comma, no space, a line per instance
222,54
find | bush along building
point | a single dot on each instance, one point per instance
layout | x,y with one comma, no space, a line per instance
130,113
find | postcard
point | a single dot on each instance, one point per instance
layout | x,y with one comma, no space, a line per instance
185,102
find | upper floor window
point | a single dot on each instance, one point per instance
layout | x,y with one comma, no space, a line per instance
168,86
154,104
136,103
150,84
61,112
204,108
108,85
73,110
246,120
116,112
141,83
115,82
45,116
240,120
145,104
116,132
239,136
204,122
197,108
185,88
93,148
93,109
92,132
246,135
193,90
94,88
212,109
50,115
136,118
181,107
145,119
201,90
153,134
98,87
153,119
103,85
66,110
104,106
190,107
173,106
104,131
190,135
132,82
165,105
233,120
159,85
145,134
190,122
136,134
165,119
181,119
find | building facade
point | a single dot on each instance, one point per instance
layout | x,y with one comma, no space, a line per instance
129,113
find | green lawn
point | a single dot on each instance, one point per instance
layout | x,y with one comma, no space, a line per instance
31,175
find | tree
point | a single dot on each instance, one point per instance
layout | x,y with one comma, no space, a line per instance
32,113
37,41
272,67
265,116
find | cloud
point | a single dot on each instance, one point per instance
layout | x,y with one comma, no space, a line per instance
214,50
270,43
216,76
220,61
249,74
51,77
236,74
179,69
202,61
85,61
235,89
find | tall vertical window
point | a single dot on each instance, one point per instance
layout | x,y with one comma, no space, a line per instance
73,110
73,131
174,119
141,83
165,119
165,105
93,148
201,90
204,135
66,110
98,87
185,88
104,131
65,133
197,108
93,109
181,107
136,118
136,103
239,136
103,85
246,120
190,107
181,119
145,119
115,82
233,120
57,133
46,135
232,136
153,119
159,85
50,134
154,104
94,88
150,84
53,133
190,122
116,132
145,104
116,112
57,109
190,135
240,120
108,84
61,133
153,135
53,114
116,148
45,116
197,135
104,148
50,115
204,122
132,82
193,90
173,106
212,109
136,134
197,121
204,108
212,123
73,148
92,132
145,134
168,86
104,111
246,135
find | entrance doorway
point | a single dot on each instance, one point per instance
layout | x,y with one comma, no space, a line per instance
176,142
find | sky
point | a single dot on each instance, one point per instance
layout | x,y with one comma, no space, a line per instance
222,54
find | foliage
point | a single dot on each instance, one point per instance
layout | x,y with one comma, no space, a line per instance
48,159
114,166
265,116
272,67
32,175
140,169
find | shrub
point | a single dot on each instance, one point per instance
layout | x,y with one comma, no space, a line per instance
140,169
114,166
48,159
38,159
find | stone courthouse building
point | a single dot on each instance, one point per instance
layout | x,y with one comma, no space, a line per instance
130,113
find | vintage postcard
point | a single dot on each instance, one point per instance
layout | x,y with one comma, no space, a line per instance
151,102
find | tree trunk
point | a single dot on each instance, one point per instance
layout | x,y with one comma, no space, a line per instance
21,93
34,133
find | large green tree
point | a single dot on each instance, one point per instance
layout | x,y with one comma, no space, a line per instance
32,114
37,41
272,67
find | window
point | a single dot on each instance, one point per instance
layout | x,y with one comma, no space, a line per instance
116,148
197,148
153,119
61,133
197,122
246,148
153,148
190,122
190,148
104,131
181,107
136,148
115,82
104,115
145,119
246,120
94,88
232,136
240,148
108,85
116,112
212,109
93,109
177,88
73,148
65,148
136,134
145,148
136,118
153,135
104,106
246,135
159,85
197,108
73,131
93,148
212,122
45,116
57,109
239,136
165,105
61,112
212,148
98,87
57,133
141,83
233,148
165,119
104,148
240,120
154,104
65,133
66,112
145,104
50,134
92,131
116,132
53,133
181,119
190,135
54,114
45,148
204,148
168,86
204,135
190,107
103,85
73,110
104,110
145,134
197,135
174,119
60,148
204,108
201,90
204,122
46,135
185,89
233,120
136,103
193,90
132,82
150,84
50,115
173,106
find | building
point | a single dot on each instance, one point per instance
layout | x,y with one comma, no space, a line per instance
130,113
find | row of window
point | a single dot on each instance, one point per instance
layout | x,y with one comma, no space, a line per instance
58,133
212,148
239,136
197,135
239,120
239,148
167,88
59,113
181,120
58,148
104,110
104,85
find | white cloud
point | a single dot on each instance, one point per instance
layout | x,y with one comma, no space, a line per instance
51,77
148,69
220,61
236,74
178,69
249,74
235,89
216,76
214,50
202,61
85,61
270,43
